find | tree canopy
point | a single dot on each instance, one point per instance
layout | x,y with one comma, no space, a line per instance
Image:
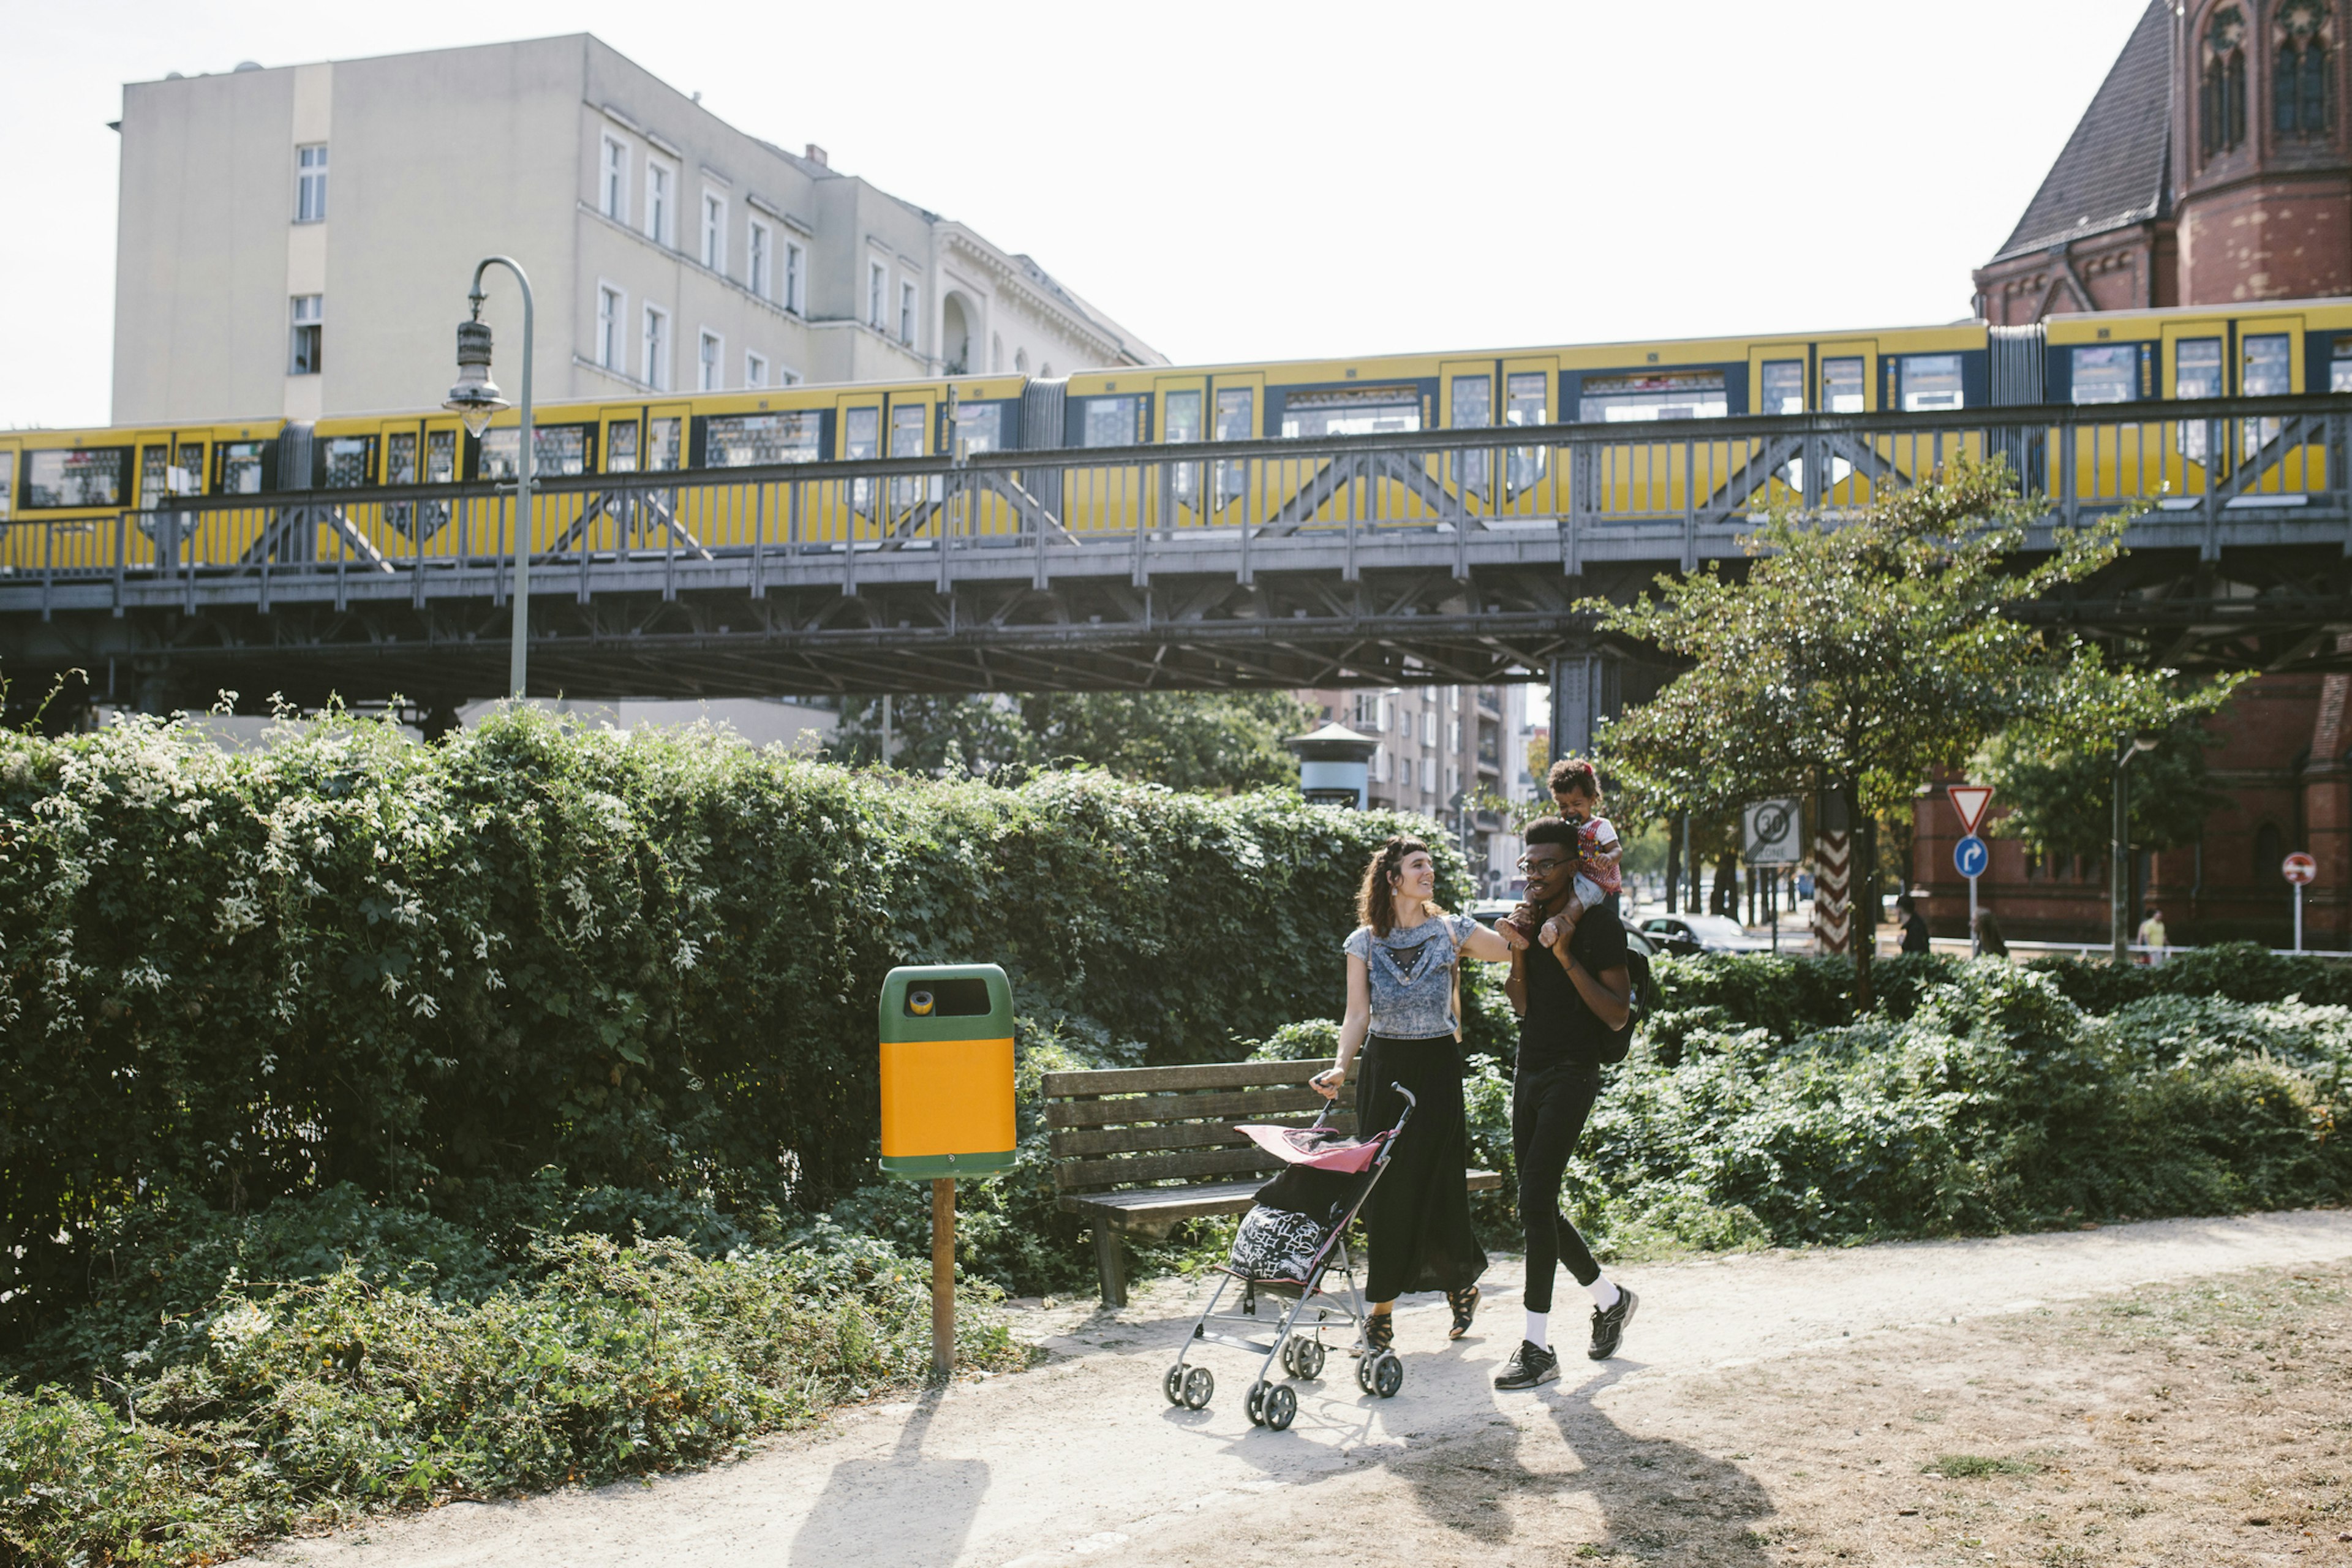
1219,741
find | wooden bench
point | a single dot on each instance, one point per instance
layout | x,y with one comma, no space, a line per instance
1137,1150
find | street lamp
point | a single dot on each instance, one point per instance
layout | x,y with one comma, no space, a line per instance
2119,872
475,399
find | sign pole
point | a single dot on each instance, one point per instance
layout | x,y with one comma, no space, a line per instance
2298,917
2300,870
1974,949
943,1275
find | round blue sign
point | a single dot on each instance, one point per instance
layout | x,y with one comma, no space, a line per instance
1969,857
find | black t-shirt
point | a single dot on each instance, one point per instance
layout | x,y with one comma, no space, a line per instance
1559,1027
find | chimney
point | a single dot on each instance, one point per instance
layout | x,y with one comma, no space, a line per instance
816,156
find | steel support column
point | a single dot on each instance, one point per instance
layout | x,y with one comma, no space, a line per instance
1586,689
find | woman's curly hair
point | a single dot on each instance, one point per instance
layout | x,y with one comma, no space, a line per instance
1375,901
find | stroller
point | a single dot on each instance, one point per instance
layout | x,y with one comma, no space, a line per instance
1294,1237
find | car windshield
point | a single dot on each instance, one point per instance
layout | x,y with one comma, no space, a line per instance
1714,927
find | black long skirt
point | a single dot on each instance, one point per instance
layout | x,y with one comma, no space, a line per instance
1417,1223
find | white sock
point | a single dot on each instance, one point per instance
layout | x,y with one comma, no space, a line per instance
1604,1294
1538,1331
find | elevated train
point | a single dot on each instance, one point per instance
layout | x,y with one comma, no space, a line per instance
72,500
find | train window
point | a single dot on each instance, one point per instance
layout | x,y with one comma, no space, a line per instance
74,476
400,458
1352,411
1236,421
664,450
2339,365
154,462
240,468
752,440
906,422
1784,386
2197,368
348,460
980,428
1659,394
556,451
1473,400
1842,390
7,484
187,476
1931,381
1180,413
2266,369
1528,401
621,449
1108,421
2107,372
862,434
440,457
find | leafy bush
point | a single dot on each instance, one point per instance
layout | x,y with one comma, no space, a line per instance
297,1396
646,958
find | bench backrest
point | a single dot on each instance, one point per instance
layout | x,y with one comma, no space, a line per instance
1123,1127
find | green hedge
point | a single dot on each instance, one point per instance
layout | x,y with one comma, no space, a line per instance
649,960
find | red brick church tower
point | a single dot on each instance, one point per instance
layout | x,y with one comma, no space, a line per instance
2213,165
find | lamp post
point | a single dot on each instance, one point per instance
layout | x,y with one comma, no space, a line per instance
2119,871
475,399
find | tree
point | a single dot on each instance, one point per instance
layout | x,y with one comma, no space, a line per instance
1865,652
1222,740
2060,798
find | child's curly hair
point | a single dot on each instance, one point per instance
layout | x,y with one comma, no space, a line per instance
1571,776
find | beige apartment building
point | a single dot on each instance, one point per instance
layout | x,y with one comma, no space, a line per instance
298,241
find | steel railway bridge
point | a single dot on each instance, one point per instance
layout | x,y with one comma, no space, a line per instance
1412,557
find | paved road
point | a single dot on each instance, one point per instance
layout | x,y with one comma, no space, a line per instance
1081,1460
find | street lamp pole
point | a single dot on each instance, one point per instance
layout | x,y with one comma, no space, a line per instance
2120,867
476,398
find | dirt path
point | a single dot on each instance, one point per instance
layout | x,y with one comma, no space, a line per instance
1769,1408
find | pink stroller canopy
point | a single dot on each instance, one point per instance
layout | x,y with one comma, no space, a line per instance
1320,1147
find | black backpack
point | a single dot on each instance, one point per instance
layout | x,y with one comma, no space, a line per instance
1644,1001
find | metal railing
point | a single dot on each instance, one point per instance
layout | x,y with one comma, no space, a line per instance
2208,474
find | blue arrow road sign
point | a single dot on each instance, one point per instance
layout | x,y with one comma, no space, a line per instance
1970,856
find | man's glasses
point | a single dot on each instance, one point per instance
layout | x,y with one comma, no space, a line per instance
1530,863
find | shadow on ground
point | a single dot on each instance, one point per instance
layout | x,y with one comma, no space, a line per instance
867,1512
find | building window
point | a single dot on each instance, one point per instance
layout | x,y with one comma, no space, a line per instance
906,312
755,370
660,223
1021,362
787,378
613,194
877,282
755,262
656,348
2222,86
2299,76
795,277
708,375
714,232
311,184
612,309
996,355
309,322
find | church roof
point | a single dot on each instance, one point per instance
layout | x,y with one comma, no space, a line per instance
2116,168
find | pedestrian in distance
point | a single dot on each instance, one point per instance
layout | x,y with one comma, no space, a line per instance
2152,937
1571,985
1914,925
1402,1019
1991,944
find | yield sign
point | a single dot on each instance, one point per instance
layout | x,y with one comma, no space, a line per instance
1969,801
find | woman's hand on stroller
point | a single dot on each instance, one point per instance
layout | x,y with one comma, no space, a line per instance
1326,1082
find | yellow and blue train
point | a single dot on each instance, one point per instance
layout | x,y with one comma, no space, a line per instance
64,494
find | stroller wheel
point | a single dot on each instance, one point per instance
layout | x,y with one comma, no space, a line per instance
1172,1385
1308,1360
1200,1383
1364,1369
1388,1374
1281,1406
1255,1404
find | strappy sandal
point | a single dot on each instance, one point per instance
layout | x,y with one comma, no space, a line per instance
1465,1303
1379,1334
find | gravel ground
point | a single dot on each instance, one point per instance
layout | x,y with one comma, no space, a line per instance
2163,1391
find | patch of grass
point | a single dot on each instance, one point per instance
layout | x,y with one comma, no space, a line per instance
1976,1466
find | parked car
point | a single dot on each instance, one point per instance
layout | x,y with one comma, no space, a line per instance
1685,934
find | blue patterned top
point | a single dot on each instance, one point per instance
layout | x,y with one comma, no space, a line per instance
1412,975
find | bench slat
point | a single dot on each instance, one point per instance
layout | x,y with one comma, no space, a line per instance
1072,1176
1184,1135
1246,1105
1140,1206
1163,1080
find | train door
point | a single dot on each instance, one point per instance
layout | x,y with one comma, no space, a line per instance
911,416
1528,382
14,549
1845,381
2192,364
1779,378
1236,413
857,416
1469,399
1184,422
2270,365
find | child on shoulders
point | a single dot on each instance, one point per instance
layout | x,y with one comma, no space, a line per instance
1576,790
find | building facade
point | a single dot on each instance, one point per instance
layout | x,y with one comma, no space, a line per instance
1456,754
298,241
2213,165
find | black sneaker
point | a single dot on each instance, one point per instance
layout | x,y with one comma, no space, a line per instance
1609,1326
1529,1365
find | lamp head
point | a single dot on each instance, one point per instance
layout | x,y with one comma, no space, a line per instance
2148,740
475,398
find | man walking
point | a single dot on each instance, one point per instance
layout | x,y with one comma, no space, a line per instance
1569,983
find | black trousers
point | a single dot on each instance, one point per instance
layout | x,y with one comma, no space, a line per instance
1549,1108
1417,1221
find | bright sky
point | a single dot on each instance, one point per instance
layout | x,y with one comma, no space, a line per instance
1239,180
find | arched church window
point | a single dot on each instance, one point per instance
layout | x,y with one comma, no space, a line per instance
2300,76
2221,84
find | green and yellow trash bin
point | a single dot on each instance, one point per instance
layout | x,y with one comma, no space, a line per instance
946,1033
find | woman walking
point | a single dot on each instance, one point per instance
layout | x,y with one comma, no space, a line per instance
1401,1016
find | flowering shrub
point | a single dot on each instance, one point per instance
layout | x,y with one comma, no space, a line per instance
648,959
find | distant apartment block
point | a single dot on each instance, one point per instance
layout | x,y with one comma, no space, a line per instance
298,241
